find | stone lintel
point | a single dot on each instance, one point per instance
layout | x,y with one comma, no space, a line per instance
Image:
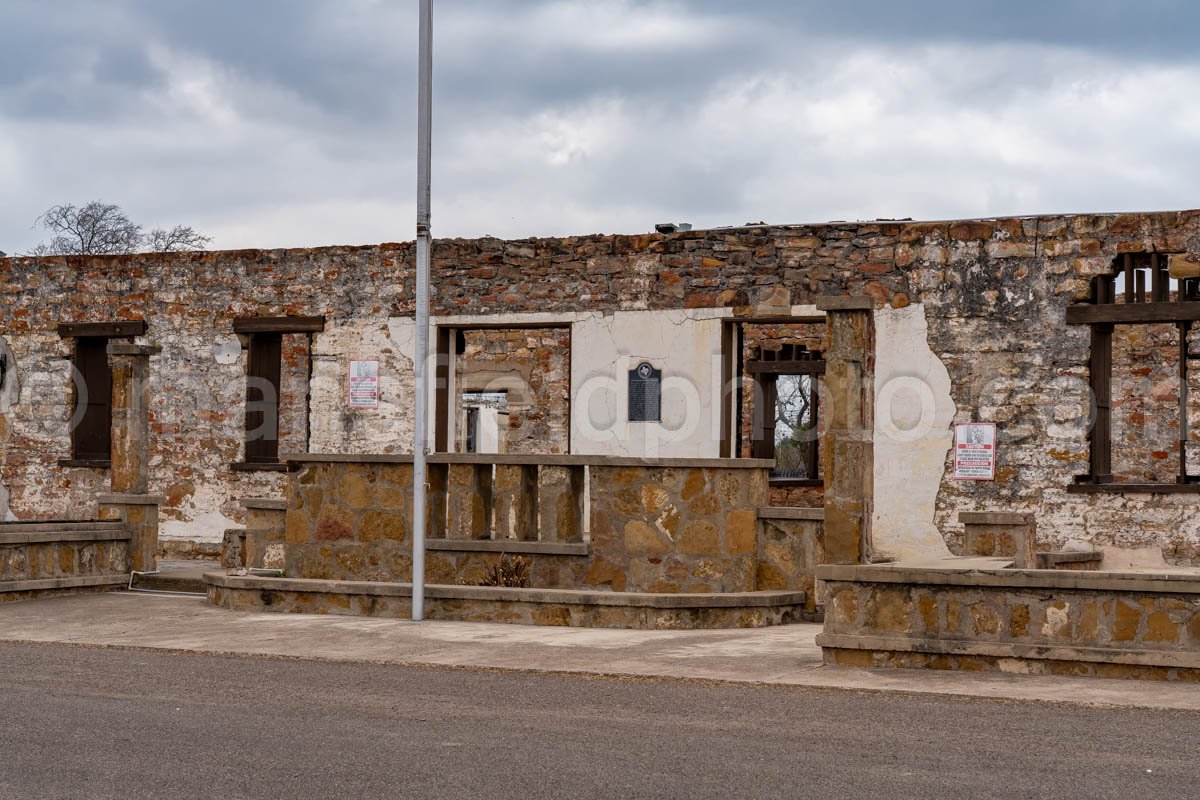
845,303
118,348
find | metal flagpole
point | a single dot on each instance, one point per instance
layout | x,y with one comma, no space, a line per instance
421,357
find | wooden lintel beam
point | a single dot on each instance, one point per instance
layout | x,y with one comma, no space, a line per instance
1133,313
805,367
101,330
279,325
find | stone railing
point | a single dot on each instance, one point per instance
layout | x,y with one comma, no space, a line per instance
43,558
976,614
619,524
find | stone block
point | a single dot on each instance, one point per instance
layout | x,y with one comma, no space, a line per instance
516,501
699,537
469,501
560,499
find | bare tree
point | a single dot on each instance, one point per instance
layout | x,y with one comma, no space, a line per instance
97,228
102,229
178,239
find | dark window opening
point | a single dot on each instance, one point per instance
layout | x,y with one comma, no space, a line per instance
262,398
786,411
91,436
1150,315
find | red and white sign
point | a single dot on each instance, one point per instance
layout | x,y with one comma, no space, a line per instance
975,451
364,384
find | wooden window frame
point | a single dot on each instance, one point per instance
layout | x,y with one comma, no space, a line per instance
1143,305
97,336
765,374
264,360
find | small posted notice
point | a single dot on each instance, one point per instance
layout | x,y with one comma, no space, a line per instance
364,384
975,451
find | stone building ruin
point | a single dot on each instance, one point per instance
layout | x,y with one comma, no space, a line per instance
683,413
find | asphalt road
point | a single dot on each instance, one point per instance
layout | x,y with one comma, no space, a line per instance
84,723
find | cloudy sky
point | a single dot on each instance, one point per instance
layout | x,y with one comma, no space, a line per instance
291,122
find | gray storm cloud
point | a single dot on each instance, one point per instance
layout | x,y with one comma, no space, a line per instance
291,123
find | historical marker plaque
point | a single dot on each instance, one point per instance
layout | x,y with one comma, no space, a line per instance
645,393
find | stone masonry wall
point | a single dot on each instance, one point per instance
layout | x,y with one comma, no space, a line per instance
49,561
197,383
1090,626
534,367
994,294
755,337
663,530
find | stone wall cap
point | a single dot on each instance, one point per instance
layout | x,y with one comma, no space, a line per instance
264,503
782,512
533,460
508,546
984,573
131,499
995,518
765,599
54,584
845,303
8,538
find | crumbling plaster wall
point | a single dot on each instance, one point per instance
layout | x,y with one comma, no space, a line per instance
993,293
685,345
197,382
913,415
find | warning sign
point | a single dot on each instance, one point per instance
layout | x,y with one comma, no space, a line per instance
364,384
975,451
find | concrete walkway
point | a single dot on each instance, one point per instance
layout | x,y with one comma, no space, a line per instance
779,656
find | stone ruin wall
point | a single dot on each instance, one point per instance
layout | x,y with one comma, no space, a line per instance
813,336
197,383
533,365
992,293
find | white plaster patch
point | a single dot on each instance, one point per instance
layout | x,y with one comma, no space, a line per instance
685,344
227,350
205,526
913,413
10,389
